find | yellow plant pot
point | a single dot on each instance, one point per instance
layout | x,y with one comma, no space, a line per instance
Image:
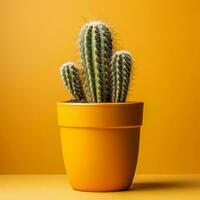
100,143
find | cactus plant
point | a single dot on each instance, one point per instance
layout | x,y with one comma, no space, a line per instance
70,76
96,52
120,75
106,76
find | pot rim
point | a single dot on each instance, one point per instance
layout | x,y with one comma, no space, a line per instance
100,104
128,114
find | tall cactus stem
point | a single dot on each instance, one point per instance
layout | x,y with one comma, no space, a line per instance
88,71
96,50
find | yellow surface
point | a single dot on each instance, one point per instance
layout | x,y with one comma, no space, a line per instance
37,36
54,187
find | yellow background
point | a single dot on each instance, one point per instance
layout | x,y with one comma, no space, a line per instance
37,36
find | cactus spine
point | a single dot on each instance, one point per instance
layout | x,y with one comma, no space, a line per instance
120,75
96,51
70,76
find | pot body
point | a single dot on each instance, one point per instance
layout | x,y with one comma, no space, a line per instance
100,144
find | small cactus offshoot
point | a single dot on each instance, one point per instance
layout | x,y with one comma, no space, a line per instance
120,75
106,75
72,81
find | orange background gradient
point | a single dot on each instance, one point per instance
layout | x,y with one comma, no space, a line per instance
37,36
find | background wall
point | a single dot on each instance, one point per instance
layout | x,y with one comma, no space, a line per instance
37,36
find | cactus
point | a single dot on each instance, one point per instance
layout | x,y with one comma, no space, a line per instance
120,75
70,76
106,76
96,52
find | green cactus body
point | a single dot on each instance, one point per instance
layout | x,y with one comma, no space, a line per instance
120,75
96,51
106,76
70,76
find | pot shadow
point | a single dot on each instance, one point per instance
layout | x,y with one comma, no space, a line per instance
164,185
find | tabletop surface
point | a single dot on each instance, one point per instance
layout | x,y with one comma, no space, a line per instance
145,187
